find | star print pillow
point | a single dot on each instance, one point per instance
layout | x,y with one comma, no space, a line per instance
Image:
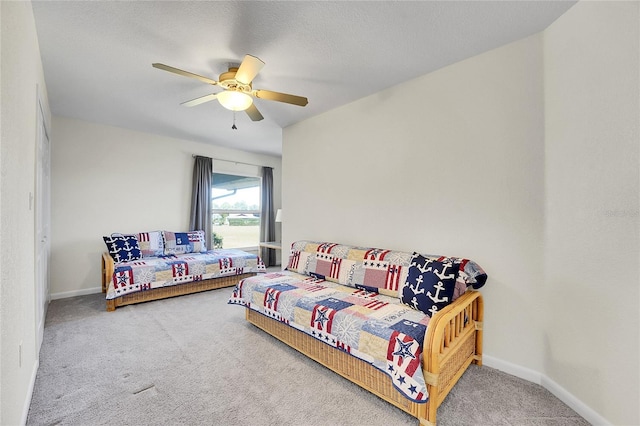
430,284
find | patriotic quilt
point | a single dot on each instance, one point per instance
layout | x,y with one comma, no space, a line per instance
148,272
374,269
373,327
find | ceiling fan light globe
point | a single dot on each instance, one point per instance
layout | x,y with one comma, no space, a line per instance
234,101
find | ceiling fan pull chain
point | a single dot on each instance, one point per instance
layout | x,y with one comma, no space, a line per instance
234,121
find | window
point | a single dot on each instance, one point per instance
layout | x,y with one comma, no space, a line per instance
236,211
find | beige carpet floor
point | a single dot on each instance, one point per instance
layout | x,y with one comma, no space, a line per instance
194,360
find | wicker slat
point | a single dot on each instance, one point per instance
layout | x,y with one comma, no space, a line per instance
107,270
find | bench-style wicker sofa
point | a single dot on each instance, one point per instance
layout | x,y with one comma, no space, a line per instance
401,325
160,264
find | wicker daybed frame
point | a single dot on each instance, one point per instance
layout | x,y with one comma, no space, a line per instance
108,266
453,341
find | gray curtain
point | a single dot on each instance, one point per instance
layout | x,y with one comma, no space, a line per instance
267,216
201,197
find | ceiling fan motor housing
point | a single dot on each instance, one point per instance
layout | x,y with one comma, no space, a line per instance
227,80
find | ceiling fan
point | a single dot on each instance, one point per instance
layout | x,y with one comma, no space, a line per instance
238,93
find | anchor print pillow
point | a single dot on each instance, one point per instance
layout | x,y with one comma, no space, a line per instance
123,248
430,284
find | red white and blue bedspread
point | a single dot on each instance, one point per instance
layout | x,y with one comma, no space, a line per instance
154,272
372,327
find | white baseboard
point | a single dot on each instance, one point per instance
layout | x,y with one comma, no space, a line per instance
27,401
73,293
561,393
578,406
513,369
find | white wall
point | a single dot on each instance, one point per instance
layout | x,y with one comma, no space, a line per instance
107,179
525,159
592,214
449,163
21,81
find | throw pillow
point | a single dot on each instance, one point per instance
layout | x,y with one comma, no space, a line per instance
151,243
197,241
123,248
430,284
184,242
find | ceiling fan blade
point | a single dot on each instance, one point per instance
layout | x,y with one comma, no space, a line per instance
184,73
281,97
249,68
200,100
253,113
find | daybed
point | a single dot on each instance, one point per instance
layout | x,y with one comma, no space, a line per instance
156,265
401,325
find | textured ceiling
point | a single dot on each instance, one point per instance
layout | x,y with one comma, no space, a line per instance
97,56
